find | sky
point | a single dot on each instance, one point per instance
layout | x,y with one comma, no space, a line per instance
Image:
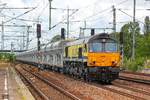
96,13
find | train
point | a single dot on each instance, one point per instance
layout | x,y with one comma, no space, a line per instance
96,57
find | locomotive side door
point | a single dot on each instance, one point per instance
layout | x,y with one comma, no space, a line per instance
80,53
66,52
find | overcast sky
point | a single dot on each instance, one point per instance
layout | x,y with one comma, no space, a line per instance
96,13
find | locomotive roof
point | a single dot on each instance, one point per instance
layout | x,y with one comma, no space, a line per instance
68,43
88,39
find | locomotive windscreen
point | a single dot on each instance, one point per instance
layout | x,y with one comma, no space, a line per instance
103,45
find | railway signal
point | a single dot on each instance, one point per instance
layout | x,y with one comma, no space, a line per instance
92,31
62,33
38,30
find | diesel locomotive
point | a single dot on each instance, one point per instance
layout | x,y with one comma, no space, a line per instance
92,58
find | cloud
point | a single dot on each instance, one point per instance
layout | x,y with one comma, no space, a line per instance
88,10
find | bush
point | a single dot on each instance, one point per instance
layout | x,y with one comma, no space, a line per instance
135,65
7,57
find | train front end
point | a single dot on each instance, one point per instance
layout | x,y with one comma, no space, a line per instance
103,58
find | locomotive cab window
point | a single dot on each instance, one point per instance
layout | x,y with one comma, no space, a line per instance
103,45
95,47
111,47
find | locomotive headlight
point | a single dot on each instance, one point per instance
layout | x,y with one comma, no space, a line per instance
114,63
103,40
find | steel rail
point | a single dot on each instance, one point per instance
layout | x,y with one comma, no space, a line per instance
117,91
42,95
135,73
131,88
54,86
134,80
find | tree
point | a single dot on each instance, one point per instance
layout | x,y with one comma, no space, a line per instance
147,26
56,38
128,31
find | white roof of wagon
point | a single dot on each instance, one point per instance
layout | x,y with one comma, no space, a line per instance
57,44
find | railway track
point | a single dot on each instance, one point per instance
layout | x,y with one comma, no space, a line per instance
135,80
114,90
135,77
136,73
62,93
117,88
136,91
105,87
139,90
37,93
121,90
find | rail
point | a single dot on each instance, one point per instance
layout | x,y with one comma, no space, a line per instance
54,86
33,86
134,80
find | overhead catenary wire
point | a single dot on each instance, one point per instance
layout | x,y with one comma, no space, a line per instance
20,15
43,10
130,16
93,20
21,19
17,8
88,16
104,10
136,9
10,18
100,12
63,19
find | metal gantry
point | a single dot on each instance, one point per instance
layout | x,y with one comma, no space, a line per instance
3,36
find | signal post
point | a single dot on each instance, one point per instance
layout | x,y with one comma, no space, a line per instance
38,42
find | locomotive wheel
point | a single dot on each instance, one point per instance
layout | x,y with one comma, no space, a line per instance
106,81
86,76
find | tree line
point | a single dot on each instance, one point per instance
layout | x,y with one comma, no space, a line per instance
7,57
142,45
